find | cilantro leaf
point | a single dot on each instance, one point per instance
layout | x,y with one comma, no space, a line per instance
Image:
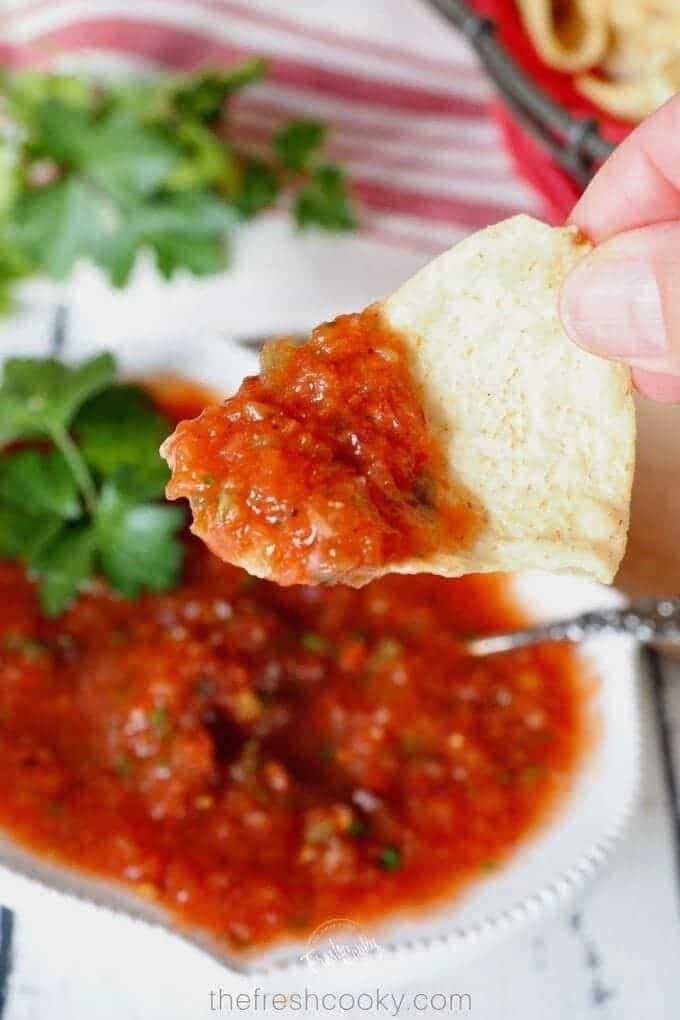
324,202
203,96
24,535
38,482
115,151
109,169
58,224
60,130
82,504
26,93
201,257
94,211
41,396
14,264
187,229
138,544
64,566
184,230
117,257
119,431
206,161
259,188
390,858
128,158
100,172
298,142
186,216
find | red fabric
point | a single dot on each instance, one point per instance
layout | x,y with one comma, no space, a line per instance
557,189
182,48
412,128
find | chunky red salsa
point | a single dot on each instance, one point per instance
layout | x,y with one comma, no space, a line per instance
323,467
258,760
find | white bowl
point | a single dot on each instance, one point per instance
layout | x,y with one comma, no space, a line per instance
548,869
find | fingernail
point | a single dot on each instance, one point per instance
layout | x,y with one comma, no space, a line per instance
613,307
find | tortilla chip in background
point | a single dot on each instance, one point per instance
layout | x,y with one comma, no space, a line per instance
571,36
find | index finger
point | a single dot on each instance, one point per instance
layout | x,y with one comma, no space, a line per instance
639,184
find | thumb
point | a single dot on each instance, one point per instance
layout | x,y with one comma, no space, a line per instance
623,300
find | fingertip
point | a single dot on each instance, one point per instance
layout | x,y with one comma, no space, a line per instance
664,389
639,184
569,306
611,304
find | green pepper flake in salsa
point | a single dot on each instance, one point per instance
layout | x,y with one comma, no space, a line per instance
323,467
257,760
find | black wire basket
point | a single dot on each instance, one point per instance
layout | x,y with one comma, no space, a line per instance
575,143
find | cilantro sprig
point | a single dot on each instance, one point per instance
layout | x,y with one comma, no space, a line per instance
101,172
81,480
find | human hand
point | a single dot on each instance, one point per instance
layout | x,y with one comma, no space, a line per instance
623,300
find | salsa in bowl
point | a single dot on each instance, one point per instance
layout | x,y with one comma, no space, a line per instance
247,763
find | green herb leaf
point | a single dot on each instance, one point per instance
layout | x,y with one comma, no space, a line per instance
29,647
324,202
101,172
123,765
386,650
260,187
118,256
313,642
82,504
160,720
390,858
138,543
41,396
206,161
299,142
116,152
39,483
61,223
126,157
60,129
119,432
26,93
203,96
63,567
186,230
23,535
14,263
357,828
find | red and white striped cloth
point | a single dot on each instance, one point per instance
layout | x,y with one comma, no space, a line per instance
406,99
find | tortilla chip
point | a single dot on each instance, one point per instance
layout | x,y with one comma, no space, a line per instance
531,439
632,99
538,431
625,53
571,35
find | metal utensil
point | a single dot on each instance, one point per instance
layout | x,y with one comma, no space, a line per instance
257,341
575,142
648,620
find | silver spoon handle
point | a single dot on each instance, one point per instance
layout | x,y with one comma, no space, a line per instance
647,620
